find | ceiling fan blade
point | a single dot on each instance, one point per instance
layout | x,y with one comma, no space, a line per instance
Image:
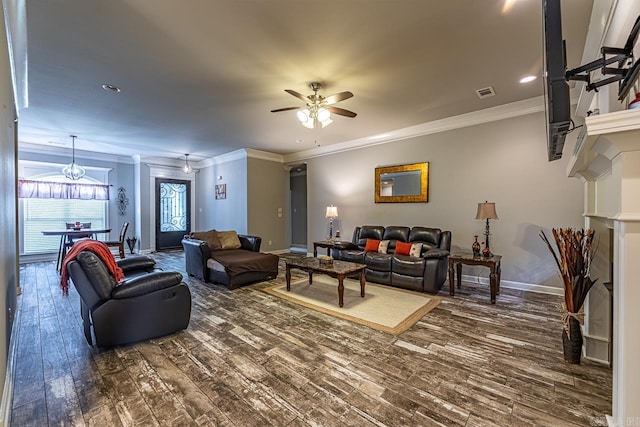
286,109
297,95
338,97
341,111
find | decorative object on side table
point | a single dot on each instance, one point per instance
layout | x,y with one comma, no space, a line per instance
325,260
487,211
131,242
475,246
573,257
635,103
332,212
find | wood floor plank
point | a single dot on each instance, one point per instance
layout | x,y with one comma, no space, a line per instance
251,359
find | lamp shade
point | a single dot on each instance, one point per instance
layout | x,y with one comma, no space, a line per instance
332,211
486,210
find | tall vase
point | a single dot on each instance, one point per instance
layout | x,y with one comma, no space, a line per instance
475,247
572,346
131,242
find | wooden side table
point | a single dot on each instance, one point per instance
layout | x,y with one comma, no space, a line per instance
324,244
492,263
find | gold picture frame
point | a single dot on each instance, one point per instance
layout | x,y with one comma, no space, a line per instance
402,183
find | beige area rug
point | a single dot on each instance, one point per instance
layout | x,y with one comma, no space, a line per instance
383,308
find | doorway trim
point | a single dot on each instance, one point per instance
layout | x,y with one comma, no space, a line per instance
158,171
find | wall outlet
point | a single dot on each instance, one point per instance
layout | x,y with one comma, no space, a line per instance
270,242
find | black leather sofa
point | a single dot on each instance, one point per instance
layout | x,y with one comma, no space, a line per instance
230,267
145,305
426,273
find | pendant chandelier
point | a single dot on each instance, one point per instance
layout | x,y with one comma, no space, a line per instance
187,167
73,170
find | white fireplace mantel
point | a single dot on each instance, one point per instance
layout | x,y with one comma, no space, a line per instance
607,161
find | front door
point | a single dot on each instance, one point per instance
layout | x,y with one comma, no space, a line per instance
173,212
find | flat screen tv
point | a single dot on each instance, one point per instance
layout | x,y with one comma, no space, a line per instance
558,102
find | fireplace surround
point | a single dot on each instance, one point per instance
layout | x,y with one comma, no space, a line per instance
607,161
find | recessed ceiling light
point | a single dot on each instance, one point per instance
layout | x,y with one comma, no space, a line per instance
110,88
527,79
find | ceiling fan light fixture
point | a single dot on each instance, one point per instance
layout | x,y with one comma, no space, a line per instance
326,122
73,171
318,110
324,115
303,115
309,124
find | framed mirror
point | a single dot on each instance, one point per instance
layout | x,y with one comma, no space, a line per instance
402,183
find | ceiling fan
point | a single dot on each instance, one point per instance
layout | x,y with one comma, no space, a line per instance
318,109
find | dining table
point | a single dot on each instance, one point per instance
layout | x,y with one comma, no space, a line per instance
71,233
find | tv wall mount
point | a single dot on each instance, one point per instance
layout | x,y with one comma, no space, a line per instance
626,72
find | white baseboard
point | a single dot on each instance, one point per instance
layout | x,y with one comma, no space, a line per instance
509,284
27,259
7,391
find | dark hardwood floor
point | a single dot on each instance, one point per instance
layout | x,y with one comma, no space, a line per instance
251,359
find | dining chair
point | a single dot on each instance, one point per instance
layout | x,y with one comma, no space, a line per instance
70,240
120,242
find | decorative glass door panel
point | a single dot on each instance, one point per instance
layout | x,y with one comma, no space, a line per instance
173,212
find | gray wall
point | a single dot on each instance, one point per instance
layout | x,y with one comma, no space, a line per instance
8,201
254,194
222,214
504,162
266,216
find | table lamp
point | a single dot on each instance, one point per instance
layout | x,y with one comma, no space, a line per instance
487,211
332,212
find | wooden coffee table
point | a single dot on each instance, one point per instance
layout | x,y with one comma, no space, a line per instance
337,269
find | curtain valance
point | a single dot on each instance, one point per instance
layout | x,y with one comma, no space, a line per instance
30,189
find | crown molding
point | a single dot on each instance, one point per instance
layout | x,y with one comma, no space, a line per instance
242,153
29,147
500,112
265,155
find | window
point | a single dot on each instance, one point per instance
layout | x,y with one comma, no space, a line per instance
53,214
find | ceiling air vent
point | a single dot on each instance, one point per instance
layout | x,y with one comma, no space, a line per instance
485,92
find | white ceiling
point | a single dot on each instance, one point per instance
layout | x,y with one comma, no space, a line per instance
201,76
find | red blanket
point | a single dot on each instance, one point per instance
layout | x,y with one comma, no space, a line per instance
98,248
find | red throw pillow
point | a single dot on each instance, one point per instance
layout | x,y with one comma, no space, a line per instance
372,245
402,248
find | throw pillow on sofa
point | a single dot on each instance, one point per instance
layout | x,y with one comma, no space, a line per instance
402,248
210,237
229,240
416,248
411,249
372,245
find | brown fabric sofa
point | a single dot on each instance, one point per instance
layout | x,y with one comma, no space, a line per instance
228,258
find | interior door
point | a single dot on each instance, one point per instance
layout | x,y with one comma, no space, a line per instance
173,212
298,187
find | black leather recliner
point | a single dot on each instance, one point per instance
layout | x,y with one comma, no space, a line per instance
145,305
426,273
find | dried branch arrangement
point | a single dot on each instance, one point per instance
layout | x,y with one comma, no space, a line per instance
573,257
